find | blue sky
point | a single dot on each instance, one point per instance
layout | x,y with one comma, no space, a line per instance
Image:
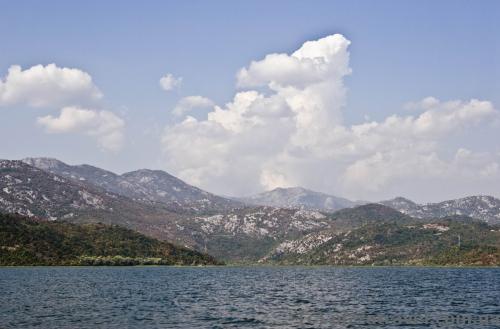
400,52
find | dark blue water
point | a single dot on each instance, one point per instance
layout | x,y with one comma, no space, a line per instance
246,297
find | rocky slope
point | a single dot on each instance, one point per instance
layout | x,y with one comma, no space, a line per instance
248,234
486,208
238,234
150,186
161,206
37,193
298,197
33,192
160,186
447,242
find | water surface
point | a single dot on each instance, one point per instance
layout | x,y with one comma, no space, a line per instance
243,297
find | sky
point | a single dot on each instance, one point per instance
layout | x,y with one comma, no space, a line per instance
362,99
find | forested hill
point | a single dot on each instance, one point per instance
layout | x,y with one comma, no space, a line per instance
26,241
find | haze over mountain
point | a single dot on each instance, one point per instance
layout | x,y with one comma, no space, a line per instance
299,197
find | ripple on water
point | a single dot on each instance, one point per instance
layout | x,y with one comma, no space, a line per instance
232,297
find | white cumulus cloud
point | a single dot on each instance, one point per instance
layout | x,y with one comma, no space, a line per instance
169,82
315,61
189,103
104,126
47,86
286,128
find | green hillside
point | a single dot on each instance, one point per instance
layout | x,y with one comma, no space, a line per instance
28,242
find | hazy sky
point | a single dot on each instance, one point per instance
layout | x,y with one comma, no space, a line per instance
362,99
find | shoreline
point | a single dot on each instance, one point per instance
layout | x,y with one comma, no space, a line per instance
263,266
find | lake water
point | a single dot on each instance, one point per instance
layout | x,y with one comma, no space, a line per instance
248,297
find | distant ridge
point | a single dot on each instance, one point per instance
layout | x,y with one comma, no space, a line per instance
483,207
242,233
37,193
159,205
299,197
141,185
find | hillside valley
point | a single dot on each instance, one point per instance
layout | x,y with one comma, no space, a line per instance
283,226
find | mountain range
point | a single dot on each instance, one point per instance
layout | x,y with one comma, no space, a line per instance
486,208
483,207
298,197
150,186
265,227
448,241
56,191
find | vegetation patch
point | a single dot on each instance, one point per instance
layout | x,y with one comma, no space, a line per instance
30,242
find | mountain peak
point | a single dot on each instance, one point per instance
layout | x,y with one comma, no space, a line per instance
148,172
291,190
143,185
372,212
484,207
44,163
298,197
400,200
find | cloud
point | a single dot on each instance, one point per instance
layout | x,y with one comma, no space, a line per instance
189,103
69,88
315,61
423,104
47,86
239,144
285,127
104,126
169,82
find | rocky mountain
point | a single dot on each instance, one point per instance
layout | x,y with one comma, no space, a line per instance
486,208
25,241
238,234
248,234
447,242
37,193
159,205
298,197
160,186
33,192
150,186
94,176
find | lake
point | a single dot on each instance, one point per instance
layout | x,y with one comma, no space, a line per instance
248,297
